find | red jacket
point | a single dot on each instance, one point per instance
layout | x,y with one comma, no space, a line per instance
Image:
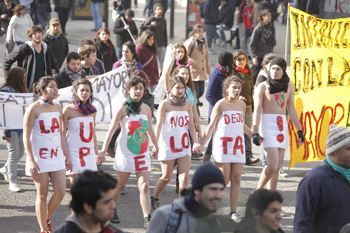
152,67
247,21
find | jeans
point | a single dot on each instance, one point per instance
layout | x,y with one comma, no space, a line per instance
247,140
161,56
96,11
63,14
16,151
210,30
241,35
247,36
222,33
263,157
119,51
41,13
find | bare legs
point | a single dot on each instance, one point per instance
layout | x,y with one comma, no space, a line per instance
43,211
183,164
269,175
232,172
143,185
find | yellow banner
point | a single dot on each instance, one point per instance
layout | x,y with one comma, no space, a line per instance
320,72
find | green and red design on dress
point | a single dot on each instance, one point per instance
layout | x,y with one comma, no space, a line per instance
280,100
137,136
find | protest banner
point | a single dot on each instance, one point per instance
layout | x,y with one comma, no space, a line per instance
320,72
107,91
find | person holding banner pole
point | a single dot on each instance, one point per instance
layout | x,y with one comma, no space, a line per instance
133,154
48,156
175,120
272,99
15,83
79,119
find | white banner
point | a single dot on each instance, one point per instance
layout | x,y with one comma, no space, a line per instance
107,91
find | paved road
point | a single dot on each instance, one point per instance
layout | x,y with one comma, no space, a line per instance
17,210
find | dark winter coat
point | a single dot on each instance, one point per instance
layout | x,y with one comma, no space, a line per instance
247,89
5,22
259,46
24,55
59,46
151,69
63,79
160,31
123,35
103,54
211,12
226,15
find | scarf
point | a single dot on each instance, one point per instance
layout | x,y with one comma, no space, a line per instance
85,109
176,101
200,43
133,106
73,76
45,101
221,68
280,85
345,172
244,71
198,210
54,36
130,65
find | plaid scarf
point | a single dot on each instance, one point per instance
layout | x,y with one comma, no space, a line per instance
200,43
85,109
45,101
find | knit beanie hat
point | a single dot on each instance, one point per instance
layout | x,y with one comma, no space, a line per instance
225,59
206,174
338,136
157,4
280,62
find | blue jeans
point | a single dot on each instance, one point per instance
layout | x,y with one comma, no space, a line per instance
119,51
248,119
247,36
16,151
222,33
41,13
96,11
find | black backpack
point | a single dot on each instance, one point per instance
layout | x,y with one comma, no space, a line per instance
201,9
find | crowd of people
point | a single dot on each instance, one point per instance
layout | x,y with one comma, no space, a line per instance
62,142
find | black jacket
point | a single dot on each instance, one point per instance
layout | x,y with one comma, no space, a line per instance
59,46
5,22
103,54
211,12
226,14
24,55
123,35
63,79
160,31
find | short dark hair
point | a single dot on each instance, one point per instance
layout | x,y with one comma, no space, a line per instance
33,29
130,13
260,200
86,41
73,55
75,87
87,188
86,50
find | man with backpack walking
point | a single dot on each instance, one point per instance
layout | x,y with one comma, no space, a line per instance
195,211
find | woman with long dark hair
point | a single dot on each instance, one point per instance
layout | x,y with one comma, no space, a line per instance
15,83
105,48
147,52
47,152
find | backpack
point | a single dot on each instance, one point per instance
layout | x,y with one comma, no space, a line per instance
201,9
174,220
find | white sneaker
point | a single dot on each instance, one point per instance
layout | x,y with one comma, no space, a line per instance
211,51
4,173
236,217
282,173
13,187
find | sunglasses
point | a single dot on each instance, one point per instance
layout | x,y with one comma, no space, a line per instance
241,59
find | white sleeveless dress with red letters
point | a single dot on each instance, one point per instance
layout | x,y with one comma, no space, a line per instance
132,152
174,141
228,138
46,143
80,141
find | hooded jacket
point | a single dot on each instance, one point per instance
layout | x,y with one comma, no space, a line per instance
188,223
25,57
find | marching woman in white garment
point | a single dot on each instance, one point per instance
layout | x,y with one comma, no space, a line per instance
175,118
79,118
228,129
46,148
132,154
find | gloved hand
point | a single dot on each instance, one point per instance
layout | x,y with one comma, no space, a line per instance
257,138
301,136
